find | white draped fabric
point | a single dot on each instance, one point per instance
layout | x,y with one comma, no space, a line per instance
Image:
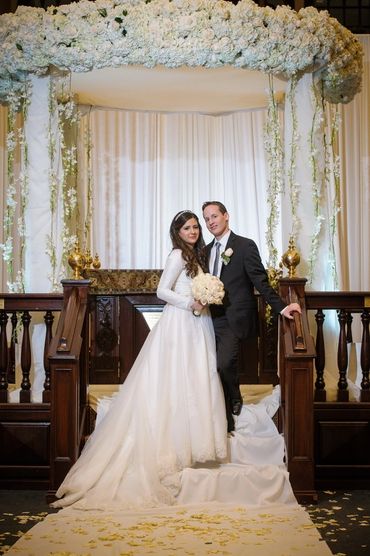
354,222
148,166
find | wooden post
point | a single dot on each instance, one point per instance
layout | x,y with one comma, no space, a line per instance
297,353
64,355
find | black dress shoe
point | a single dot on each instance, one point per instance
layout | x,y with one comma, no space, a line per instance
236,406
230,428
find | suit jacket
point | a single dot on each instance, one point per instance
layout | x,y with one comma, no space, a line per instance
240,276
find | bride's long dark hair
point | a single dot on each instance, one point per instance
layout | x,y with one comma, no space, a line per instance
193,257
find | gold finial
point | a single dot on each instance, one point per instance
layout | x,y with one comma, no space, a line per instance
77,261
291,258
89,259
96,262
80,261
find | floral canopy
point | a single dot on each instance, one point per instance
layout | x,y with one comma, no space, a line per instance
87,35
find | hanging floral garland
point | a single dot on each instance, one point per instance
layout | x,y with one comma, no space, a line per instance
292,162
89,173
324,177
317,130
17,110
68,121
275,164
62,181
333,162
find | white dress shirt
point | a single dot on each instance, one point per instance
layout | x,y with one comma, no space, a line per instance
223,241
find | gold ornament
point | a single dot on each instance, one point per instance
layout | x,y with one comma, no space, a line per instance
96,262
80,261
77,261
291,258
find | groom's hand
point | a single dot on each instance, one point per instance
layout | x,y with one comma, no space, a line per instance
290,309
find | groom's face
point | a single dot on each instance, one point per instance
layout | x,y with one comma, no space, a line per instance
216,222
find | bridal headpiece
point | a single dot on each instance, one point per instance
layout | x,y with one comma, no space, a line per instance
182,212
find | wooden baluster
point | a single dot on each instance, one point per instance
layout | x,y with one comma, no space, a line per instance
49,319
320,393
3,357
349,328
13,341
25,393
365,357
342,358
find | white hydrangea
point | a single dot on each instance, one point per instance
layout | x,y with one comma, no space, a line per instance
86,35
207,289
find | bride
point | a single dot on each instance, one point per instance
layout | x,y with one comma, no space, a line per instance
170,413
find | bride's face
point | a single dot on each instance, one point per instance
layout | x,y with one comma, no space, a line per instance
190,232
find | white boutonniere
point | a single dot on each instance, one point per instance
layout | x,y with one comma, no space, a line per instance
226,255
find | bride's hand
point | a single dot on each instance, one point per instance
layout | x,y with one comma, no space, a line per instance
197,307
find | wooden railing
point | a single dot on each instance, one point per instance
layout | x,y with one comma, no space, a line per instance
19,308
317,433
345,304
25,426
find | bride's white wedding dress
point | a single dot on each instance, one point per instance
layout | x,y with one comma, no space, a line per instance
168,415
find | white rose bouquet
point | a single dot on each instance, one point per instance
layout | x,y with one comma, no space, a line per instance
207,289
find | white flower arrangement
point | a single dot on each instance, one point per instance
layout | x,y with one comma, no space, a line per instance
207,289
226,255
108,33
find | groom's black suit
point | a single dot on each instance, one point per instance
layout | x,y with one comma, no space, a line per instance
237,317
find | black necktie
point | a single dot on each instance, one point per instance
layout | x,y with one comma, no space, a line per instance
217,257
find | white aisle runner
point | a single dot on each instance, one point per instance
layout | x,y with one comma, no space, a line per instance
243,507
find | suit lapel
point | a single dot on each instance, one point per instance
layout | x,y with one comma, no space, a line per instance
208,252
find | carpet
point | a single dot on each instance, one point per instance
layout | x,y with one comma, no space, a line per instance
203,529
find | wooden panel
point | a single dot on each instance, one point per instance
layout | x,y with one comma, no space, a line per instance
26,443
67,386
343,443
104,354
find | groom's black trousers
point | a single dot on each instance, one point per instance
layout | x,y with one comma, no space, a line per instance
227,350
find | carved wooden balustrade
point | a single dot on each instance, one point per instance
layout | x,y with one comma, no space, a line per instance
345,304
24,426
334,452
341,414
18,309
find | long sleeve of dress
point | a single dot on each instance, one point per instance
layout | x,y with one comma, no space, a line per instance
166,288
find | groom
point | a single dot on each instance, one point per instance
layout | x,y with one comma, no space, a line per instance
237,262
